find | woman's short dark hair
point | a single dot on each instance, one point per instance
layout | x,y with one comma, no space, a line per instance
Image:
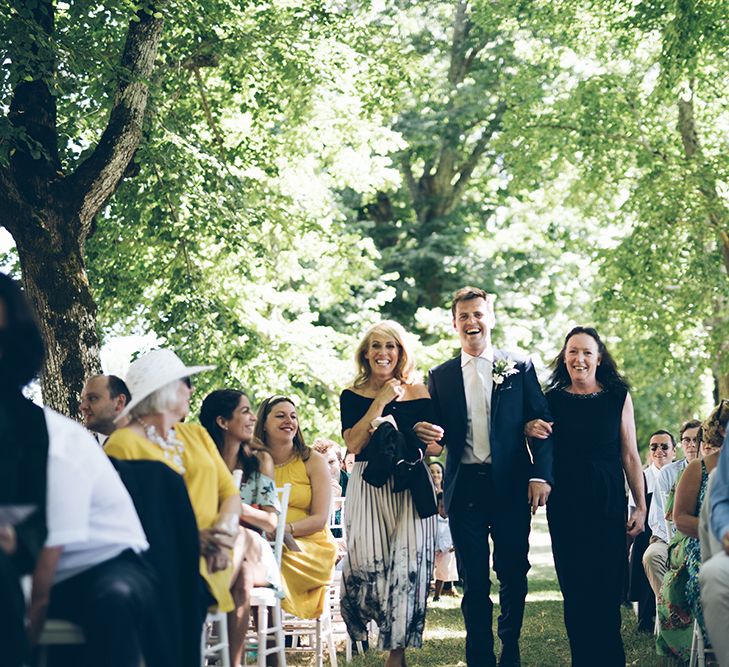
606,373
21,345
264,409
222,403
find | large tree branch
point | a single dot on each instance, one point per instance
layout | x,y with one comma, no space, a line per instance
715,209
467,168
32,112
98,177
407,170
461,27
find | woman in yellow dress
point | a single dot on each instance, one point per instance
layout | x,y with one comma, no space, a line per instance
306,573
160,388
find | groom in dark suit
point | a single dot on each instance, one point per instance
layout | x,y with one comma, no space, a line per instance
486,402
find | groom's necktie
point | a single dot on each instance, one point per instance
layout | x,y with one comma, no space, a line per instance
480,411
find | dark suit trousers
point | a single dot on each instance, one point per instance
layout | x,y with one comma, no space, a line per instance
475,514
115,604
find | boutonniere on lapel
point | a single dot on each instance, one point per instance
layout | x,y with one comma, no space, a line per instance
503,368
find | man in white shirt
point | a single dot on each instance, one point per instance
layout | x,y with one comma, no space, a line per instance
102,400
655,558
88,570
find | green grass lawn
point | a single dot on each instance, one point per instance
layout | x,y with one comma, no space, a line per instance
543,640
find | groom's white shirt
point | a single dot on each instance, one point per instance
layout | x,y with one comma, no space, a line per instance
470,372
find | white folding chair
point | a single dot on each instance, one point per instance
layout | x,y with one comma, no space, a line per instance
315,632
265,599
698,648
336,523
309,635
214,641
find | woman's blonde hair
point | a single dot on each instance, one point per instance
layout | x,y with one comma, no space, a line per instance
405,367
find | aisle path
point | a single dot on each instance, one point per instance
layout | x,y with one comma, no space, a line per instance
544,641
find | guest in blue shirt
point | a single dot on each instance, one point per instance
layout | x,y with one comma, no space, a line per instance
714,573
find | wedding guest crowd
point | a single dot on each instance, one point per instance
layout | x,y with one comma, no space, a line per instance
97,534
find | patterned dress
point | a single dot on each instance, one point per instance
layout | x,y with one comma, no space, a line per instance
390,549
679,602
259,491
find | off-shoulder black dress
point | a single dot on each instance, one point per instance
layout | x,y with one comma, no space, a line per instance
390,549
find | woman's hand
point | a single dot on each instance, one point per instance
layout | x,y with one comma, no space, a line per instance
214,547
392,390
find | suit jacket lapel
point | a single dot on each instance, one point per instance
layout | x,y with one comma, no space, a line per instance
454,379
495,393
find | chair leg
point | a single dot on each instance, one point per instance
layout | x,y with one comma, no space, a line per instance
262,635
224,641
280,636
700,644
347,650
331,644
319,647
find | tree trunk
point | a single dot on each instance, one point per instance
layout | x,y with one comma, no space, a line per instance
54,278
722,386
50,213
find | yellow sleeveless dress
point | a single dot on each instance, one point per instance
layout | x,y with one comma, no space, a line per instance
306,573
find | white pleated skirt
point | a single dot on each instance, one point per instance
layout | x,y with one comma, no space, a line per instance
389,562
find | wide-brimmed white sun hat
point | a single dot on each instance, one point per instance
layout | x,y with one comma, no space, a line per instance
153,371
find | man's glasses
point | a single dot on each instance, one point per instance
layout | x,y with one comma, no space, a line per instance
654,446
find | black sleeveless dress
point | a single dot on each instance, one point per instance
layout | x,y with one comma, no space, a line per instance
390,549
586,513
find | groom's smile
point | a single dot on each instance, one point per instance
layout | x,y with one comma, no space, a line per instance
473,321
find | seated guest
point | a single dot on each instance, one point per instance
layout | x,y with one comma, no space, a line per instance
349,461
714,573
332,454
88,570
661,452
102,400
160,387
227,416
679,601
307,572
655,558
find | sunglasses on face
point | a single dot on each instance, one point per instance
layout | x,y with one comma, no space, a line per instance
187,381
662,445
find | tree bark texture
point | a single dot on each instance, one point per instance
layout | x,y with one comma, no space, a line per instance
50,214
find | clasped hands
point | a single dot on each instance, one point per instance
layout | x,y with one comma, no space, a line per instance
216,542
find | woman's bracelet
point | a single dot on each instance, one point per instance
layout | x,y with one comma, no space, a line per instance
291,529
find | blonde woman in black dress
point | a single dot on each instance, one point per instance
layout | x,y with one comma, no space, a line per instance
390,548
